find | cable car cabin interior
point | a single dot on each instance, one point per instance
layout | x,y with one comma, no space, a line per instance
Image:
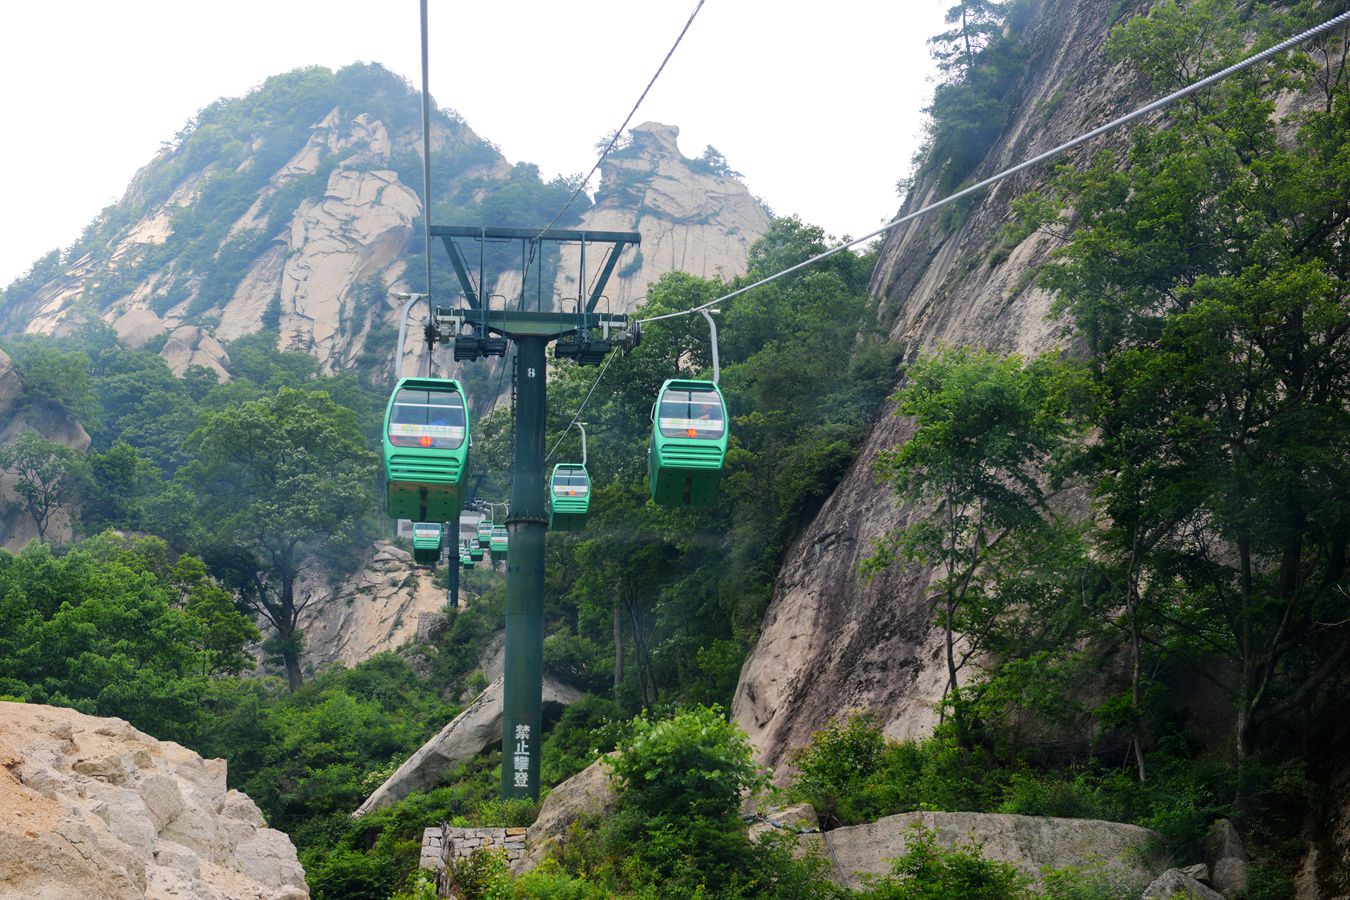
688,444
569,497
426,543
426,449
499,541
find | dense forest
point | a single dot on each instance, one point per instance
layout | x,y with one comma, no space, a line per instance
1141,530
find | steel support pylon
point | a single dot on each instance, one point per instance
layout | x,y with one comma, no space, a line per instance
526,523
476,331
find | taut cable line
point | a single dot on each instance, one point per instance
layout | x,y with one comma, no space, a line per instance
614,139
1081,139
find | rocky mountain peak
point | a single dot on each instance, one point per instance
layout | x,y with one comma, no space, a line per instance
655,140
294,208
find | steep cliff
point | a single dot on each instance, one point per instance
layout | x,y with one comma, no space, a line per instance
831,642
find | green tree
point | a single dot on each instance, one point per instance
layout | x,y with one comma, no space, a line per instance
975,24
1207,273
106,628
48,476
119,479
54,376
285,482
984,430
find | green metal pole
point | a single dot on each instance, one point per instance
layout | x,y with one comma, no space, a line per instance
452,556
522,698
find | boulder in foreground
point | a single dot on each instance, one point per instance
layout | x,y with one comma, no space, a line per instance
93,808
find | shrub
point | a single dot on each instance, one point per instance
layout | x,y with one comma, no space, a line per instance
695,764
928,871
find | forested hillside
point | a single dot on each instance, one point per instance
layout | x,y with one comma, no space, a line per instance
1036,509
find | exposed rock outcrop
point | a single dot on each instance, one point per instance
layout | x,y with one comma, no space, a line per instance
831,642
691,219
586,795
192,346
11,388
1176,883
1031,843
476,730
378,608
92,807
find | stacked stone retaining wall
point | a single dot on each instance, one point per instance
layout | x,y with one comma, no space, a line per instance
442,844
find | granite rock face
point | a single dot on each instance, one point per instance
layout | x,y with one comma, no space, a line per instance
691,219
1030,843
91,807
831,642
382,606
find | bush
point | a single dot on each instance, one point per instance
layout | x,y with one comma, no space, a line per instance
834,766
851,774
927,871
695,764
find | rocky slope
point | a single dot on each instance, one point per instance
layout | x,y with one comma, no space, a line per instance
831,642
92,807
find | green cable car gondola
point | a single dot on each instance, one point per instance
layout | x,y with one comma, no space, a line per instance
426,449
569,497
688,444
465,561
500,541
484,531
475,551
426,543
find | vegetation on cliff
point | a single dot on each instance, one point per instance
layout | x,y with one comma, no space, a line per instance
1109,531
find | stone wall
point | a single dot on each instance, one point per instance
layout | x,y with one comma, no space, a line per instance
442,844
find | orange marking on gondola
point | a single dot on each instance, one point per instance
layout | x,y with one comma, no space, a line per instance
692,432
424,441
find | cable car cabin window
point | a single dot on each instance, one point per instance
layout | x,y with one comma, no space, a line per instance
431,419
571,484
691,414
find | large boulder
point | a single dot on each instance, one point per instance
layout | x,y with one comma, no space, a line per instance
586,795
1175,883
476,730
1031,843
91,807
1226,858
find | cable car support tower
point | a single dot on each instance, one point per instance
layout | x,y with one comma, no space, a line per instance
475,331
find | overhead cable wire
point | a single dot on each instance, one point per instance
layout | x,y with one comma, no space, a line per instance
615,138
1247,63
584,401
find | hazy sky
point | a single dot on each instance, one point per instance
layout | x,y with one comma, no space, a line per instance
818,104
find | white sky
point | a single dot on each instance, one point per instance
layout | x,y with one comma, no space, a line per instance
818,104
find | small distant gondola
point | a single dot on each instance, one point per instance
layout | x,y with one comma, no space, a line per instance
688,443
569,497
500,541
427,537
426,449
